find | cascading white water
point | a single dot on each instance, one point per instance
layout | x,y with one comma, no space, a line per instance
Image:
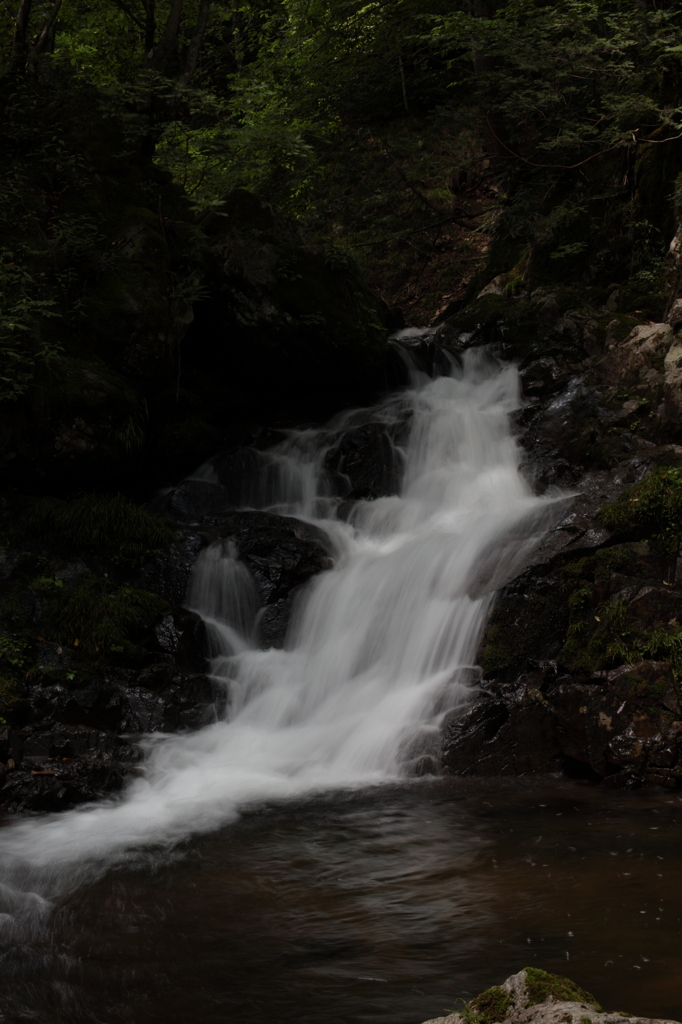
376,654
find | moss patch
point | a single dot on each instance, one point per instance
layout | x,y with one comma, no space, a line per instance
603,632
652,508
490,1007
95,618
541,986
14,658
520,627
115,527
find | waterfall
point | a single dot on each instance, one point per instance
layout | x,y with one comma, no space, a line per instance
382,647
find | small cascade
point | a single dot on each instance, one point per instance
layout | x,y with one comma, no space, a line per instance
382,648
222,587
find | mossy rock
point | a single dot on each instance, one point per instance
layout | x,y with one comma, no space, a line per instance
542,987
95,618
605,632
619,325
495,319
490,1007
522,627
652,508
15,658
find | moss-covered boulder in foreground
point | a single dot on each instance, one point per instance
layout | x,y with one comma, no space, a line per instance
534,996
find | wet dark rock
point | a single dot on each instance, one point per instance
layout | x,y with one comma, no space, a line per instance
167,573
273,622
79,709
236,471
5,745
77,706
428,355
181,640
76,734
625,728
544,705
59,784
282,555
654,607
498,736
97,706
566,413
364,464
543,377
191,500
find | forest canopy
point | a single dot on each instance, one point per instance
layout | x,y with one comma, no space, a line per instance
410,131
259,93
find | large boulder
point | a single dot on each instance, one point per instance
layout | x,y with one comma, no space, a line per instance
534,996
364,463
282,555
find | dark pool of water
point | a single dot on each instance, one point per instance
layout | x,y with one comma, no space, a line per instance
384,906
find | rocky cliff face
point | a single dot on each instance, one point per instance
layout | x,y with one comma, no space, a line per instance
580,657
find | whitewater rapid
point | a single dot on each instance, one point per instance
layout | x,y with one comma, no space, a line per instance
380,649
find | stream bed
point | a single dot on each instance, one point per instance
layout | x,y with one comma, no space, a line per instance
383,905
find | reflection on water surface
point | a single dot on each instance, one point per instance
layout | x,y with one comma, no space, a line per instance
380,906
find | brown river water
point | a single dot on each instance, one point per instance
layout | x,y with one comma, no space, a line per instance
385,905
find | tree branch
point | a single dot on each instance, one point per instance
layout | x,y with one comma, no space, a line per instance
130,13
158,57
195,44
602,152
19,42
560,167
659,142
149,24
46,31
407,234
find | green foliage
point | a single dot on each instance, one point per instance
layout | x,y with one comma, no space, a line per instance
596,629
13,652
652,508
603,634
541,986
407,131
113,526
50,247
568,96
597,567
21,346
571,79
660,644
14,658
518,627
95,618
